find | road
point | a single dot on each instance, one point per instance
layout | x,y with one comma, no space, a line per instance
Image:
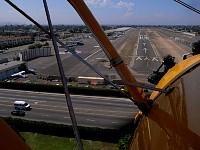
90,111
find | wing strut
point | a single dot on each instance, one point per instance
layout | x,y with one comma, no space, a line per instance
116,61
73,52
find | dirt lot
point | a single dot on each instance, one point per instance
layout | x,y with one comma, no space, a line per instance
163,45
126,50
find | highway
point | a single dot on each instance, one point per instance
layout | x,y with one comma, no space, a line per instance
90,111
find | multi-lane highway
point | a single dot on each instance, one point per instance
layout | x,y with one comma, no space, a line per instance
91,111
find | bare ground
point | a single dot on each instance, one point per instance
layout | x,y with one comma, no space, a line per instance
163,45
128,48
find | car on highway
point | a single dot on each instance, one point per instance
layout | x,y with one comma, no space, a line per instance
18,113
22,105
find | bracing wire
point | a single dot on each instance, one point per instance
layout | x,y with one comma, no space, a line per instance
62,74
188,6
71,51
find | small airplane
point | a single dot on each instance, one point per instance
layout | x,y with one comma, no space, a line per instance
30,70
20,74
74,43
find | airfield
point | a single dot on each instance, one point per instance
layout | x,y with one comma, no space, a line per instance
142,49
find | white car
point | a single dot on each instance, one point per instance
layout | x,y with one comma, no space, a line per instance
22,105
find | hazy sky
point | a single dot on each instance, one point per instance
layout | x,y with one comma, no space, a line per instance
136,12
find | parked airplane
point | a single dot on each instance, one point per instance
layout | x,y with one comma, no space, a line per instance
74,43
30,70
20,74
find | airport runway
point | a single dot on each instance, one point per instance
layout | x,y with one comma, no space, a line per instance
90,52
146,59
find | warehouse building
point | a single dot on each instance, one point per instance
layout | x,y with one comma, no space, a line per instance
35,53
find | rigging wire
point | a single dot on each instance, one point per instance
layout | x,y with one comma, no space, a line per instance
67,48
141,85
62,74
188,6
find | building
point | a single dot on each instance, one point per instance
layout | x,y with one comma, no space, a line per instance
9,68
29,54
11,41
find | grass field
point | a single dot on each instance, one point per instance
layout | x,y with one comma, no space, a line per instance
47,142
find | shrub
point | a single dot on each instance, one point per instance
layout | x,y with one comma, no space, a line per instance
124,142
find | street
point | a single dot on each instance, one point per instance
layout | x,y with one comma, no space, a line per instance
90,111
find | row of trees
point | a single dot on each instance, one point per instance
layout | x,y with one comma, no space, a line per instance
38,45
72,28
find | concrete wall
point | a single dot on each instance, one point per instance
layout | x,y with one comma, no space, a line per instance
34,53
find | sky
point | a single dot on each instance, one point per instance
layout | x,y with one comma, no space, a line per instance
107,12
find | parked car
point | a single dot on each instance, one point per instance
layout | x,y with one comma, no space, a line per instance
18,113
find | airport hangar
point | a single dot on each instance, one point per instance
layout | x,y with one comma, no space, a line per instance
7,68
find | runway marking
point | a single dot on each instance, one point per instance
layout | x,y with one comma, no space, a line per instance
145,50
96,46
154,59
153,48
138,58
146,58
92,54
